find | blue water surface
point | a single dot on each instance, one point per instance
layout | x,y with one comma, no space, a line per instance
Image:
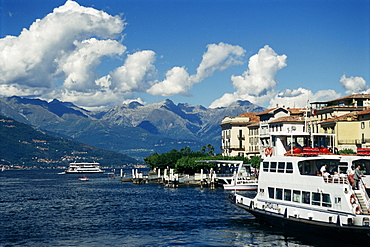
44,208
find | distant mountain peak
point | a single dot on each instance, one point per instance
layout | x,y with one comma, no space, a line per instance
134,105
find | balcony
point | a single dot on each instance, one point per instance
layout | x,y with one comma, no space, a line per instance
234,147
353,141
241,137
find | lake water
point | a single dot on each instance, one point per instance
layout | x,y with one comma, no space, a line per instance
43,208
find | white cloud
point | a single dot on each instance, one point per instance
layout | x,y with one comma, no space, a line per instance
25,91
301,97
177,81
261,73
257,84
58,49
93,100
79,65
217,57
139,100
354,84
225,100
136,73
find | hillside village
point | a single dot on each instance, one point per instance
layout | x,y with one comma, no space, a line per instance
337,125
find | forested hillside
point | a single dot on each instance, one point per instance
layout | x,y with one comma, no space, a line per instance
23,146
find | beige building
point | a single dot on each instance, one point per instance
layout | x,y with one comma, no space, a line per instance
240,136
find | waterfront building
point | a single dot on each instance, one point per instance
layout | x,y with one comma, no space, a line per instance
338,124
240,136
279,121
346,118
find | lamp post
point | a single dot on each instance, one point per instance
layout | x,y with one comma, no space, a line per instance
292,128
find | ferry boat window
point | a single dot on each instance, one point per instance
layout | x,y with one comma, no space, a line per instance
281,166
287,195
326,202
306,197
342,168
337,200
273,167
279,194
296,196
289,167
304,167
332,165
271,192
316,198
365,165
265,166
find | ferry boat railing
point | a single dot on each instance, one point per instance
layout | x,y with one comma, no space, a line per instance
362,186
336,180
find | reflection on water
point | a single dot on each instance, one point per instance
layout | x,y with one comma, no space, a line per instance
42,208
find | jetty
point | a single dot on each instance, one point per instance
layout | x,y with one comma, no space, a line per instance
223,173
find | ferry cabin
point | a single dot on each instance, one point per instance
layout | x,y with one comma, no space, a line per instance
355,160
292,191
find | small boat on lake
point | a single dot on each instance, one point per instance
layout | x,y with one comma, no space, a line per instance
84,167
84,178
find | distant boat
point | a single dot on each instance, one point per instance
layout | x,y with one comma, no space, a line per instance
84,178
3,168
84,167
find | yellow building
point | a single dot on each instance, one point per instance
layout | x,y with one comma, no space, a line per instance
346,118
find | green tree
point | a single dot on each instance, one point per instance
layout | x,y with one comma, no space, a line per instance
255,161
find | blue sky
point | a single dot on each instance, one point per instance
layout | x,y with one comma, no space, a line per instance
208,53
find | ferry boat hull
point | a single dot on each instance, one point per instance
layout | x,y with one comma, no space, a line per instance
292,195
292,224
241,187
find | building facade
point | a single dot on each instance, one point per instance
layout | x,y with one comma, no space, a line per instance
338,124
240,136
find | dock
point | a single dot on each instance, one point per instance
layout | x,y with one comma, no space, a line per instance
173,180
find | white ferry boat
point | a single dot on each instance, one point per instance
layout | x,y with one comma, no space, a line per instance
242,180
362,159
233,175
84,167
293,194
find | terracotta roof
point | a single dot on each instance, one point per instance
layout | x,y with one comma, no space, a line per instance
253,118
267,111
293,111
247,114
352,96
294,118
352,116
367,111
296,111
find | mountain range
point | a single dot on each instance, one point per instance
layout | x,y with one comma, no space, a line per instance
133,129
24,146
